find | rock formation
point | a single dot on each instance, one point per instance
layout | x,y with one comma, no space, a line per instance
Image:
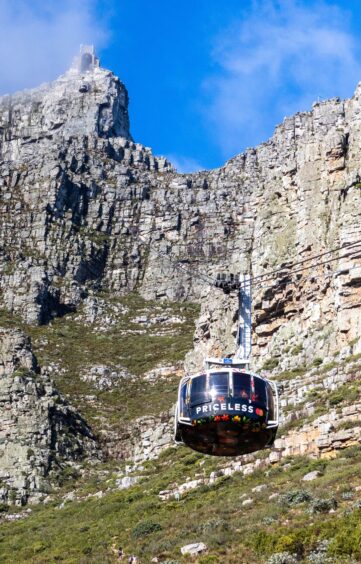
85,208
39,432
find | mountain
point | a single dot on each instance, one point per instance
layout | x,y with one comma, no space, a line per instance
108,263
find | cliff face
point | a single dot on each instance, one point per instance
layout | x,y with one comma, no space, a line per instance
39,432
88,216
84,208
93,228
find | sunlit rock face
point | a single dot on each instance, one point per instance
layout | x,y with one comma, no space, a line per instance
85,208
89,102
40,434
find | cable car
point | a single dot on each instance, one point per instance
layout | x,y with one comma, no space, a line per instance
227,410
84,87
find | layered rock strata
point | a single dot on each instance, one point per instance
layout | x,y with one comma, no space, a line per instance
84,208
40,433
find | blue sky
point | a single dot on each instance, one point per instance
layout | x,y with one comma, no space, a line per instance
206,79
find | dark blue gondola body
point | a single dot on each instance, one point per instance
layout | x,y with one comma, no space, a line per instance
227,425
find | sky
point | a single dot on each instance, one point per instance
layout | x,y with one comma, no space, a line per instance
206,79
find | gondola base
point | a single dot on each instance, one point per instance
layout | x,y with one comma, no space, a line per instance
226,438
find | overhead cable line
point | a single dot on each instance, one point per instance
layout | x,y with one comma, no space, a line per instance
313,277
209,281
260,282
347,245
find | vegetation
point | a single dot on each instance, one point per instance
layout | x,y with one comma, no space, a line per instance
293,373
270,364
297,349
86,529
283,522
73,347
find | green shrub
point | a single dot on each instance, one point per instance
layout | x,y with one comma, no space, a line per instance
350,424
270,364
347,540
353,357
327,367
39,546
192,459
67,474
295,497
345,393
297,349
314,395
319,464
323,505
293,373
351,452
289,543
336,398
209,559
145,528
317,361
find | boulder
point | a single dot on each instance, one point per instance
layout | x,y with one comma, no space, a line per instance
194,549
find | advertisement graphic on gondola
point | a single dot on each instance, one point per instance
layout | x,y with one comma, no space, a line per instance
227,410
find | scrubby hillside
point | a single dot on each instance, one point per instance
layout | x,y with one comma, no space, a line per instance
108,257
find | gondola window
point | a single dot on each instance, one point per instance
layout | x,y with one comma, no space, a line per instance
183,401
259,392
241,386
199,392
218,385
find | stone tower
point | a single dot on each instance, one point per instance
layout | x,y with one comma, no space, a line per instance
87,59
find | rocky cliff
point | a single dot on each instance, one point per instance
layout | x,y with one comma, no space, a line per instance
89,216
40,434
84,208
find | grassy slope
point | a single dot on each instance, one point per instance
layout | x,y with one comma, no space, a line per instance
85,531
75,346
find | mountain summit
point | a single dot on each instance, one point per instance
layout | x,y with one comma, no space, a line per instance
86,100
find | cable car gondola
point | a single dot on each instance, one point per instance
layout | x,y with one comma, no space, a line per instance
226,410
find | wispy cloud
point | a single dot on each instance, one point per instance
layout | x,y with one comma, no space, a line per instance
39,39
185,164
276,60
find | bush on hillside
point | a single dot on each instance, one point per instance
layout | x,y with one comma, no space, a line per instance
294,497
323,505
145,528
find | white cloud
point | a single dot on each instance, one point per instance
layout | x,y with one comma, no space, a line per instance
185,164
276,60
39,39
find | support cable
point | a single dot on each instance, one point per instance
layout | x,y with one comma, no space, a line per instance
346,246
289,272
